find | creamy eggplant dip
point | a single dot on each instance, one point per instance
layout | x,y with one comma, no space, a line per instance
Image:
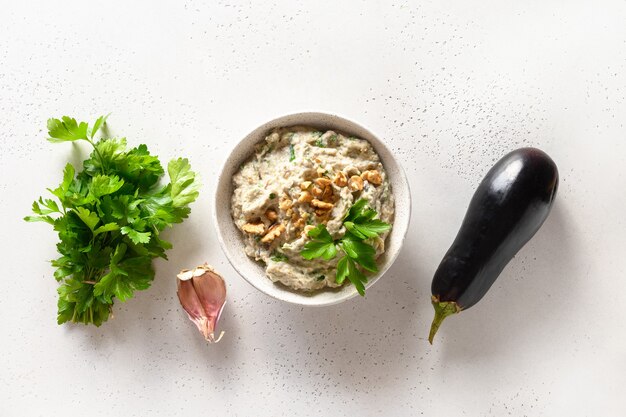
297,179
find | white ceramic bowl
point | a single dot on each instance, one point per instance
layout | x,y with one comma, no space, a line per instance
231,238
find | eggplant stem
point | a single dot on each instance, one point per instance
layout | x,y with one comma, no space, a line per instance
443,309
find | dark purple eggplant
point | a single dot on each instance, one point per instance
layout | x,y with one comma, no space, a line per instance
509,206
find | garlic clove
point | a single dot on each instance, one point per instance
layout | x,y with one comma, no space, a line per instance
211,291
191,304
202,294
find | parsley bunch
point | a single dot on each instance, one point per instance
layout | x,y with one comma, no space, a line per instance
360,225
109,220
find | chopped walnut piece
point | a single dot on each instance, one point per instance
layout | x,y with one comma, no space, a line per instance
372,177
285,203
322,182
317,192
299,224
254,228
305,197
322,215
305,185
327,194
340,179
273,232
271,215
322,205
355,183
320,171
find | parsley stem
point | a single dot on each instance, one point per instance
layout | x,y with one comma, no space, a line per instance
99,154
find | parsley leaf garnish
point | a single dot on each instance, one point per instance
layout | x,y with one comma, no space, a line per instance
321,244
292,152
360,224
360,252
108,217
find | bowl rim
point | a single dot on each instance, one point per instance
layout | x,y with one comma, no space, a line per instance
306,299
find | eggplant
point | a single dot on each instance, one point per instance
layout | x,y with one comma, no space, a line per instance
509,206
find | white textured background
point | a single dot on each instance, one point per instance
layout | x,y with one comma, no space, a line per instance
451,86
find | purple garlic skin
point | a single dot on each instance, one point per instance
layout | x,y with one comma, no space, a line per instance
202,293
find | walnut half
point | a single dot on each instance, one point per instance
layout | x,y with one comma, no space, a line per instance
273,232
355,183
372,176
254,228
305,197
340,179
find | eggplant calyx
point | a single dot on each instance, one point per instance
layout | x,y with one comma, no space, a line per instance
443,309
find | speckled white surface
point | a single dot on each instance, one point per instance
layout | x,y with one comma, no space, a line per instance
450,85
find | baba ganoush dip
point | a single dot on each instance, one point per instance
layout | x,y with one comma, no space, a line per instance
297,179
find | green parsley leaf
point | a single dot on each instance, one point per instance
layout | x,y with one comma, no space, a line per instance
356,210
321,245
89,218
101,121
342,270
45,207
320,232
107,155
62,272
141,168
292,153
184,187
66,129
61,191
361,223
109,227
46,219
136,236
356,277
317,249
104,184
361,252
125,277
367,229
